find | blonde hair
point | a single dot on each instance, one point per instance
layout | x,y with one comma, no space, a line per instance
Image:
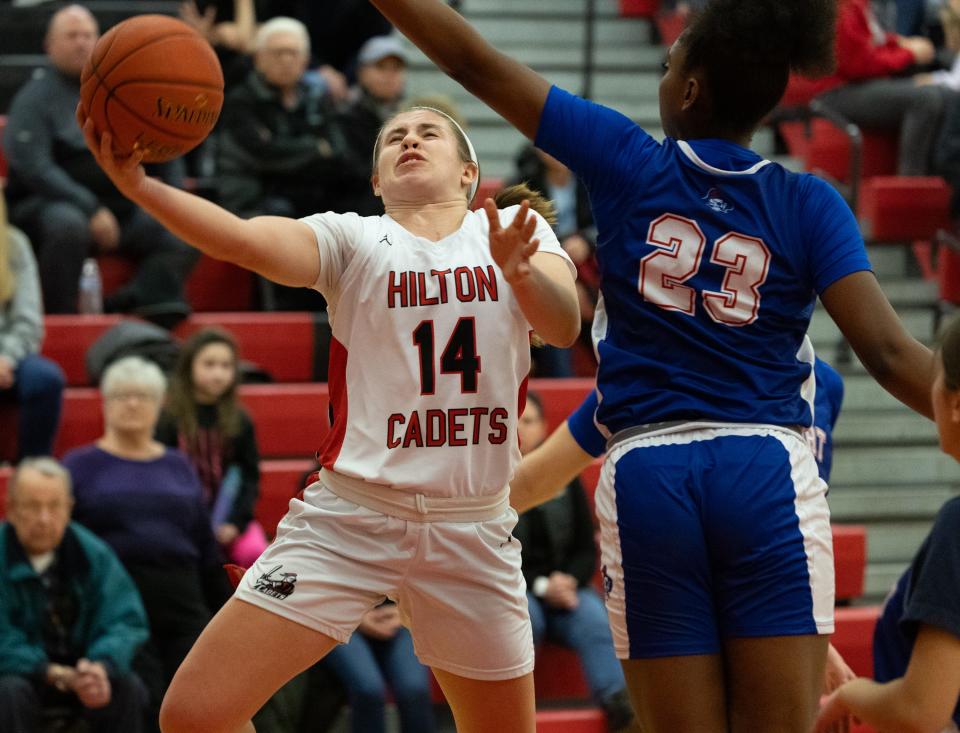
7,282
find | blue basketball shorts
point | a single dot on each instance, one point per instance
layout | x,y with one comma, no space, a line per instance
712,531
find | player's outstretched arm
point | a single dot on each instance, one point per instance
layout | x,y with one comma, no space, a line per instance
282,250
921,701
547,469
541,281
901,364
512,89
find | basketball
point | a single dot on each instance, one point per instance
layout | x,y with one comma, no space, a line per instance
155,85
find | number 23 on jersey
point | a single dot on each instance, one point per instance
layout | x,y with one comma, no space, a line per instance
680,243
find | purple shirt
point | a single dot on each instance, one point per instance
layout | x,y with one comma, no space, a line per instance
150,512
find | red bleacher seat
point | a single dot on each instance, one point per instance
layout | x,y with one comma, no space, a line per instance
826,149
590,720
281,343
291,419
639,8
67,339
212,286
903,208
8,432
853,637
279,482
849,559
558,675
5,473
560,397
948,275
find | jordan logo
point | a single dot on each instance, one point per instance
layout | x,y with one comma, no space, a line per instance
386,239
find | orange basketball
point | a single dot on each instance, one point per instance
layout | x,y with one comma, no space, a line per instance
155,84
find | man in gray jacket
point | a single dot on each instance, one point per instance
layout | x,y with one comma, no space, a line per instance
65,202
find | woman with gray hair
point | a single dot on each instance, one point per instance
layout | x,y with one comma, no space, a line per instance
145,501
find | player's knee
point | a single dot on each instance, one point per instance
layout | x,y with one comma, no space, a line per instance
179,714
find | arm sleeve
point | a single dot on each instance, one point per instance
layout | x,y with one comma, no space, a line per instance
120,622
933,598
832,240
857,56
337,237
24,331
28,141
582,560
246,456
605,149
583,428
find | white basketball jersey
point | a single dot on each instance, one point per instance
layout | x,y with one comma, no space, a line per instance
429,356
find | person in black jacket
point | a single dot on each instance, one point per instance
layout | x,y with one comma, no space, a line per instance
66,204
378,95
559,560
280,151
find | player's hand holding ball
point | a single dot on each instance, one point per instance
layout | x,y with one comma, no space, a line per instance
151,91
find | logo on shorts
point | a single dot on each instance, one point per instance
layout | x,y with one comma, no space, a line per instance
276,586
607,582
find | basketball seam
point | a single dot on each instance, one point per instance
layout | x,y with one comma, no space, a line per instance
103,78
167,82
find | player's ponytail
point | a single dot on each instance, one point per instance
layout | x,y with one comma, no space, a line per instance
746,50
514,195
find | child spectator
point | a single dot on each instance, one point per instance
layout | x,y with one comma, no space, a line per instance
204,419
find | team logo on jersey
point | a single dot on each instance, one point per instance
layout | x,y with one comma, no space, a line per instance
276,586
714,199
386,239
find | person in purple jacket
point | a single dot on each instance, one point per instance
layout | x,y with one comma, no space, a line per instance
145,501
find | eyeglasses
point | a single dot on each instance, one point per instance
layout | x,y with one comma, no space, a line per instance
132,395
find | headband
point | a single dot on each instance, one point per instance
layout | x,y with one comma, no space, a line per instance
470,149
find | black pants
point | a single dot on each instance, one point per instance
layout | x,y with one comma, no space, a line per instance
23,702
61,238
177,610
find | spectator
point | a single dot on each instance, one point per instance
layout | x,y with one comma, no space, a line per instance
578,237
205,420
32,381
916,643
280,151
144,500
379,656
70,617
872,87
381,82
65,202
559,561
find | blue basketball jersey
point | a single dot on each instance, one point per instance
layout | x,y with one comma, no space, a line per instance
711,259
829,397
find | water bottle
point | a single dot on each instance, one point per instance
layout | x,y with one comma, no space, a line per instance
91,288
